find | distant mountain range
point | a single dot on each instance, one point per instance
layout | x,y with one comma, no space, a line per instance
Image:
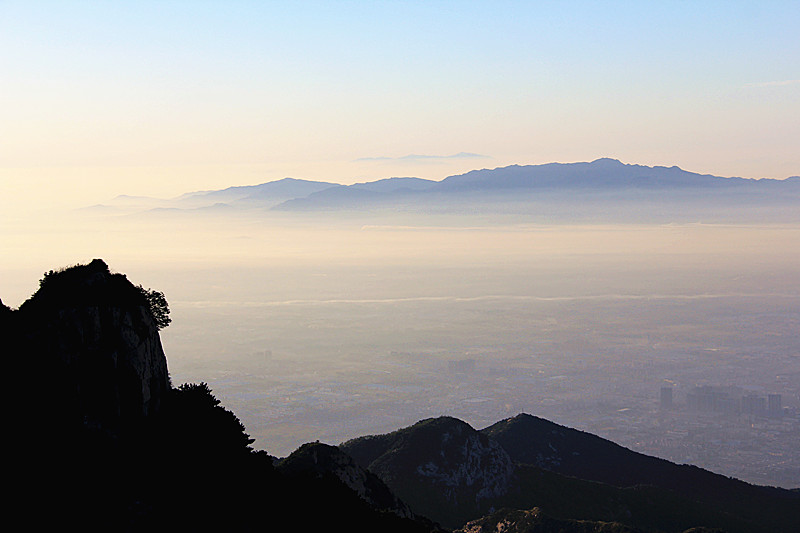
604,188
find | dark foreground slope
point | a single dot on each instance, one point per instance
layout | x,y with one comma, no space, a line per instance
535,441
101,441
535,521
452,473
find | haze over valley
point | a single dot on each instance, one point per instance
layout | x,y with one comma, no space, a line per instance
335,323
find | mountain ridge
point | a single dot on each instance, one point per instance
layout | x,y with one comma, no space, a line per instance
603,190
288,194
403,458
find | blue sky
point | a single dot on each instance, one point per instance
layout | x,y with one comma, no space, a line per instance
158,98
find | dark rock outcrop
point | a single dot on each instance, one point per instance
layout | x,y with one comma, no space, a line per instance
90,340
442,467
102,442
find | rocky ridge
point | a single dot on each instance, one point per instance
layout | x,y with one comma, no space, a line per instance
91,335
442,467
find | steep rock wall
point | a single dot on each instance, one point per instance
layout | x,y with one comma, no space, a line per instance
90,343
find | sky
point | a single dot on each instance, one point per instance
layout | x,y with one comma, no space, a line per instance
158,98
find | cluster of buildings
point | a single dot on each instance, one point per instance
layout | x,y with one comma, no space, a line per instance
727,400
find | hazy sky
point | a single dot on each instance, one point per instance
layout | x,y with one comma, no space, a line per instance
163,97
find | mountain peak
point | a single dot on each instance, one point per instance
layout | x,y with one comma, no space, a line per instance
463,467
607,161
94,339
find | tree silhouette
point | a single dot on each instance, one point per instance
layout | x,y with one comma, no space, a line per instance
196,416
159,308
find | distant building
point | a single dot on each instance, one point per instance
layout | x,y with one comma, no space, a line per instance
713,399
706,398
666,398
774,405
753,404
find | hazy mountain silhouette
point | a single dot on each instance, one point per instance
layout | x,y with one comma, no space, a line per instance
395,185
604,190
358,196
262,196
602,173
265,194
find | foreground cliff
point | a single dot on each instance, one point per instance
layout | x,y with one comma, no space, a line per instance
91,339
102,441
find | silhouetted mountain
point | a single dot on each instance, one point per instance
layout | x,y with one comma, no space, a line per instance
533,440
369,195
340,197
602,173
605,189
452,473
262,195
441,467
395,185
102,441
321,460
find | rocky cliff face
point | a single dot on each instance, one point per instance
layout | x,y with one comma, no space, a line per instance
467,460
442,467
89,340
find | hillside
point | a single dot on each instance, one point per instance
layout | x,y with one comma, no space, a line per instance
105,441
453,473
